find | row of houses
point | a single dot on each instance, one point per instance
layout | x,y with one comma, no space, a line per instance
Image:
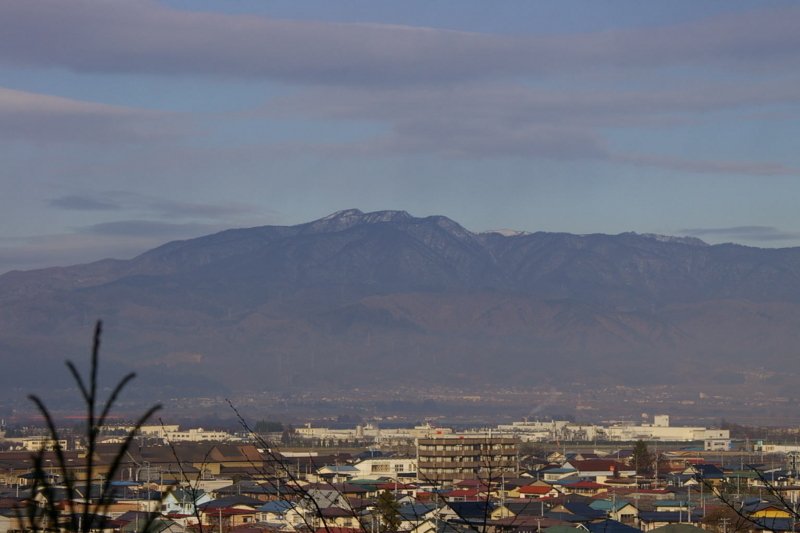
453,483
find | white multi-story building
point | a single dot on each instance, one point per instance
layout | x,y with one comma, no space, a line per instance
196,435
659,430
662,431
39,443
376,467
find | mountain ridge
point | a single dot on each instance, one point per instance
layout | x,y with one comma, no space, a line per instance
355,287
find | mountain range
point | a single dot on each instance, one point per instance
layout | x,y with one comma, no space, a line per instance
366,299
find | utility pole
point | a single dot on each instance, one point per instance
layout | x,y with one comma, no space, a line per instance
702,500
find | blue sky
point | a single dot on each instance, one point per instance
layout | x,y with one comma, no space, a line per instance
125,124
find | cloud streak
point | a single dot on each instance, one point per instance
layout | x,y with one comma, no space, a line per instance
153,206
44,118
149,228
455,95
743,168
162,221
83,203
499,120
745,233
138,36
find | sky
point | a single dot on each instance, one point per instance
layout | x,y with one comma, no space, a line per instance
125,124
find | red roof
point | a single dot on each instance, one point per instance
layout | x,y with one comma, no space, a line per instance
464,493
585,485
535,489
470,483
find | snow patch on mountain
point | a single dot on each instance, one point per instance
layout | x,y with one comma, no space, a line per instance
506,232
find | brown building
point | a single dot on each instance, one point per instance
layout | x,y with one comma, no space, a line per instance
454,458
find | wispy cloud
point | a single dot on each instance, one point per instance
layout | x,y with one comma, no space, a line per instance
222,210
158,207
504,119
44,118
744,233
746,168
149,228
515,102
166,220
101,36
83,203
447,93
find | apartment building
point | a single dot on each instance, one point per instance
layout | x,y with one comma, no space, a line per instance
453,458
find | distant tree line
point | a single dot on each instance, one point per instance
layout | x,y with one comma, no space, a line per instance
268,426
740,431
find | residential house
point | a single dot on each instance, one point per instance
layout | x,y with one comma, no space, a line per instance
230,511
579,509
763,509
587,488
466,511
337,473
334,516
600,469
183,502
413,515
268,490
618,510
520,508
535,491
281,513
652,520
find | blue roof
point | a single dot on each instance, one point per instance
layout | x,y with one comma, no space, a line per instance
582,509
774,523
708,471
608,505
673,503
469,510
566,517
610,526
276,506
411,512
